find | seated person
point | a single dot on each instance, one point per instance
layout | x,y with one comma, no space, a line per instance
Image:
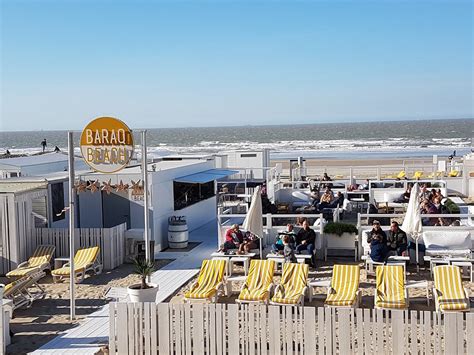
278,246
338,201
397,241
425,193
437,203
365,185
234,238
305,239
289,249
251,241
378,243
326,178
405,197
326,199
427,207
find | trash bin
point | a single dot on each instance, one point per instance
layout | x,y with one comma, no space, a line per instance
178,234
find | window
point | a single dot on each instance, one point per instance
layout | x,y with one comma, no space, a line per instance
13,174
38,210
57,199
248,155
187,194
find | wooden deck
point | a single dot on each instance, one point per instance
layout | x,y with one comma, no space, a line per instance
94,330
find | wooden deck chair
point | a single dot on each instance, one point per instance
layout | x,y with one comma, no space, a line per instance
85,260
344,290
20,293
417,175
453,173
259,282
209,281
390,292
448,292
39,261
402,174
293,285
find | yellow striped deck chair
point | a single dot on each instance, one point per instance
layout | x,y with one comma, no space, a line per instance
417,175
402,174
84,260
344,290
293,285
259,282
390,289
449,294
453,173
18,290
39,261
210,279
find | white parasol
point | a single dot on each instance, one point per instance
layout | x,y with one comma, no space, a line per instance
253,220
412,222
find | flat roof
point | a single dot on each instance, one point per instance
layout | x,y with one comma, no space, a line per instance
34,159
7,186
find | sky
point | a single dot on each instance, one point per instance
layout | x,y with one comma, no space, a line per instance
212,63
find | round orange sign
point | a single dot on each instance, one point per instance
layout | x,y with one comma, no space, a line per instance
107,144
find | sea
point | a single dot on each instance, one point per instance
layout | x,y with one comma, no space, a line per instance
364,140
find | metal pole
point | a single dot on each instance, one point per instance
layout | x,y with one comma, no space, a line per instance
72,201
145,196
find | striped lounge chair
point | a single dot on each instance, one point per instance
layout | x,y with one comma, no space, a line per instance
19,290
448,292
293,285
39,261
344,290
209,281
417,175
85,260
259,282
390,292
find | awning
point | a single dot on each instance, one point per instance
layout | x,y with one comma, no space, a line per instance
206,176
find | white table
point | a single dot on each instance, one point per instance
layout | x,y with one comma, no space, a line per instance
230,280
58,262
317,283
465,265
419,284
233,258
435,261
279,259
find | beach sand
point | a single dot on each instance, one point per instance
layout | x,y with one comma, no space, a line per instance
417,297
46,318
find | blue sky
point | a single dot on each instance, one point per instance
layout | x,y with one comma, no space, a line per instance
212,63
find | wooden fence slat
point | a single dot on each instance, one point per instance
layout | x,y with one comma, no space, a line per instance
450,336
413,333
122,330
112,330
344,330
309,316
274,330
154,328
233,329
163,329
360,331
187,325
220,328
148,334
469,333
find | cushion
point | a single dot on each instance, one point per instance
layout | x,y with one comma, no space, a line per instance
447,240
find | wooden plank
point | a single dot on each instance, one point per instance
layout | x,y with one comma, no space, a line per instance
251,329
460,332
177,327
344,330
321,338
212,338
369,343
413,333
147,332
112,333
450,336
360,331
131,329
163,329
220,329
198,328
233,329
122,331
329,324
154,328
470,333
187,327
274,331
264,324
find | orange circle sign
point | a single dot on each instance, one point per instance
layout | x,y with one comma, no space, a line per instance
107,144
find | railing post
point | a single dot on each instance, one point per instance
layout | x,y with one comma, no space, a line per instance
269,226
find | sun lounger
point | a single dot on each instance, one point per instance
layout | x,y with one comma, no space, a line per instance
259,282
453,173
19,290
417,175
39,261
293,285
85,260
390,292
448,292
209,281
402,175
344,290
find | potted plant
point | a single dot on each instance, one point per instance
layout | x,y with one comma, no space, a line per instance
143,292
340,236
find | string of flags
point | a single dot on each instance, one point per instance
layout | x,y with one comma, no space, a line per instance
94,185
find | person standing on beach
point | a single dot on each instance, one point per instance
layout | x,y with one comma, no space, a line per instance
43,144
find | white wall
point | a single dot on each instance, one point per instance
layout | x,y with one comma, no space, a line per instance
163,202
261,160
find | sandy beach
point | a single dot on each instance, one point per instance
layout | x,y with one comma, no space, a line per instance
46,318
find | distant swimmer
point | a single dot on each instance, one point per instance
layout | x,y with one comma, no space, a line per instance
56,149
43,144
8,153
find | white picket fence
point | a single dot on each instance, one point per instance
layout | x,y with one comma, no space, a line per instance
165,328
110,240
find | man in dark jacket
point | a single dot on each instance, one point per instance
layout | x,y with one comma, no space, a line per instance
378,243
305,240
397,240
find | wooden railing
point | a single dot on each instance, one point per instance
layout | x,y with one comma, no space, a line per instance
148,328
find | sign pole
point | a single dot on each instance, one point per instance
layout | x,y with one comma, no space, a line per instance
72,200
145,197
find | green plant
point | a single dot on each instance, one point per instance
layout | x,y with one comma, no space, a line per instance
144,268
340,228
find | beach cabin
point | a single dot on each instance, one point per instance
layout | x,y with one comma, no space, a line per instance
36,165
